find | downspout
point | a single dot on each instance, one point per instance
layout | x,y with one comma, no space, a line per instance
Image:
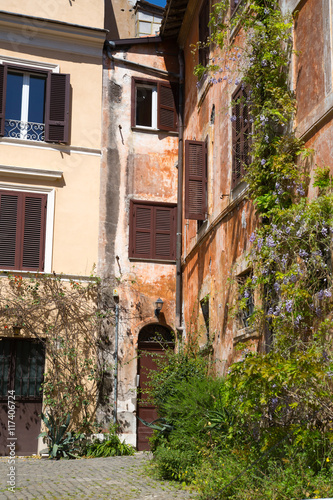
179,318
115,392
161,72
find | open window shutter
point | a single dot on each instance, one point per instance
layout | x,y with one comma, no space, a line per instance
34,232
167,111
164,234
3,81
195,180
57,108
9,230
141,231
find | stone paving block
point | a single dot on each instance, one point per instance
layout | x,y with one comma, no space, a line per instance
114,478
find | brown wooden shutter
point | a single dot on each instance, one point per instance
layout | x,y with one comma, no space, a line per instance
195,180
164,234
3,84
57,108
167,102
240,135
34,232
141,231
9,230
22,230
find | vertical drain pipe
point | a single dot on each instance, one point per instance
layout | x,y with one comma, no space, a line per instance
179,319
115,392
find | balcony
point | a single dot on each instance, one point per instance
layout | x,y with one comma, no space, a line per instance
29,131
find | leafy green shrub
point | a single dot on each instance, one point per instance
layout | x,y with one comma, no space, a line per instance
111,446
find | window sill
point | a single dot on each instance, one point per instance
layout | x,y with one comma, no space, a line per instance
203,91
238,190
244,334
151,130
235,29
152,261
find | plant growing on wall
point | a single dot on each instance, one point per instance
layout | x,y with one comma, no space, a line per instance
62,314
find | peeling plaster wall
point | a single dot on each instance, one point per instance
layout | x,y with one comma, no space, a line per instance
222,242
139,165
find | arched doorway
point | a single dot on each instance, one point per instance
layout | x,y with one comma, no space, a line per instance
153,339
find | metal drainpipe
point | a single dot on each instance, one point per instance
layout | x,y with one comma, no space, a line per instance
179,319
116,365
162,72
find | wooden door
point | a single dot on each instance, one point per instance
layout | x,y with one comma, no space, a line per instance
153,342
21,372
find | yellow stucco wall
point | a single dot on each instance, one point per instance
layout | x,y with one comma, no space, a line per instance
84,12
78,52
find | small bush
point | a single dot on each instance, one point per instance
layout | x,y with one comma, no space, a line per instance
111,446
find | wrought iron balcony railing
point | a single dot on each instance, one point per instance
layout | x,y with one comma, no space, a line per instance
24,130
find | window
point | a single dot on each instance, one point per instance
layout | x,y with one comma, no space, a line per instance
233,5
22,230
34,104
204,303
196,180
152,231
247,294
240,135
204,34
154,105
147,23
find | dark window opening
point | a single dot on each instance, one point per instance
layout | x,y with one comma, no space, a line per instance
204,34
241,128
204,303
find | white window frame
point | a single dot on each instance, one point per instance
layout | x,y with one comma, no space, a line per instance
153,105
25,101
49,227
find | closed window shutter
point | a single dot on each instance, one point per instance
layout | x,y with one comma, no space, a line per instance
22,230
34,232
164,233
142,227
57,108
195,180
3,80
167,112
240,136
9,230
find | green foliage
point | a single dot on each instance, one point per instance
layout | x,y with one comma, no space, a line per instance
110,446
271,431
60,443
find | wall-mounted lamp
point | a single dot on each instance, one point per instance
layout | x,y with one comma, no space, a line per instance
158,305
17,330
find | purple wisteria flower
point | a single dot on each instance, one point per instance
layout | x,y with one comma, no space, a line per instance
289,306
260,242
270,241
327,293
298,319
263,161
233,118
324,231
276,286
303,253
252,237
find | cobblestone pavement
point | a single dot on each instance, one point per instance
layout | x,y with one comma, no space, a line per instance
114,478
